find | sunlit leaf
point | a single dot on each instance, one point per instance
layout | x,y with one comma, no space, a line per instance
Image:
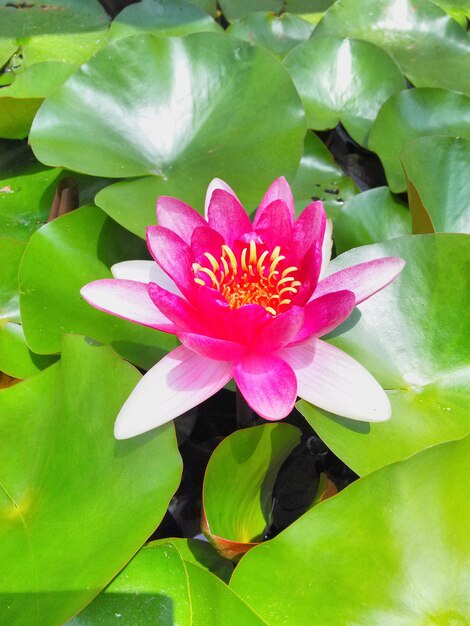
438,169
370,217
390,549
414,338
75,504
416,113
343,80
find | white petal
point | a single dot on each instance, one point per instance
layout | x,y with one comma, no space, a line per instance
177,383
332,380
144,272
216,183
128,299
327,247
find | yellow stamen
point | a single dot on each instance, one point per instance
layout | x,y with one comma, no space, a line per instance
253,257
213,261
211,275
231,256
243,259
199,281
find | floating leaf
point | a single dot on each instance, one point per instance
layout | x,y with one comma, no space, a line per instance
370,217
83,244
162,18
411,114
437,167
16,359
234,105
11,252
66,31
238,484
343,80
319,177
414,338
429,46
75,504
159,586
392,548
279,34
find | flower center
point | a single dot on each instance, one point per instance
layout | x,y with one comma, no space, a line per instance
250,277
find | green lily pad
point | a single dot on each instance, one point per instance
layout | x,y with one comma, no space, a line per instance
235,104
159,586
239,479
209,6
414,338
16,359
458,9
67,31
27,195
370,217
343,80
83,244
437,168
319,177
237,9
163,18
429,46
75,504
392,548
279,34
11,252
415,113
200,553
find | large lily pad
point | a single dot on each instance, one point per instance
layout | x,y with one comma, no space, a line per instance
415,113
277,33
371,217
430,47
230,107
390,549
343,80
238,484
159,17
67,31
11,252
75,504
16,359
319,177
437,168
83,244
159,586
414,336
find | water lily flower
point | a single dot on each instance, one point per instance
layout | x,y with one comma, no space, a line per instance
246,300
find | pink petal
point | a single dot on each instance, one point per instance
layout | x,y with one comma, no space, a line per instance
173,255
179,217
327,247
177,383
309,229
206,240
325,313
127,299
274,225
278,190
216,183
332,380
218,349
175,308
268,384
363,279
280,330
144,272
227,216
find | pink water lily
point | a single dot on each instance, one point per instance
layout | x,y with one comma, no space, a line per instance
246,300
